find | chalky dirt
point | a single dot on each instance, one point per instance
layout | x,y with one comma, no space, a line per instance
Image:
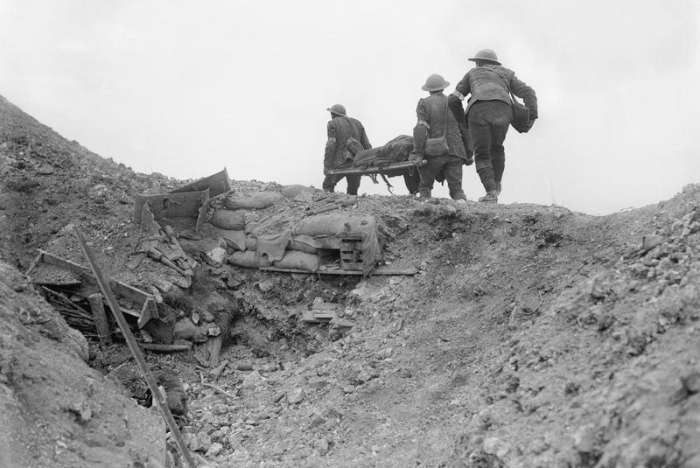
531,336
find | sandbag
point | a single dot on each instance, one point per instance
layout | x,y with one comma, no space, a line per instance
298,192
334,224
251,243
255,201
247,259
228,219
295,260
304,243
273,247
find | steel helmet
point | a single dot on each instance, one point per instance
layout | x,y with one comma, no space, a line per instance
337,109
435,82
486,55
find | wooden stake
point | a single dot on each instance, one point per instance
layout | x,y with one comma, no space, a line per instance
100,317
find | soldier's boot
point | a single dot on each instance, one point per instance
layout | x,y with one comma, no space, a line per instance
424,194
458,195
489,182
490,197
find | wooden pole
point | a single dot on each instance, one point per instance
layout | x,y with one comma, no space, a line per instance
100,317
158,397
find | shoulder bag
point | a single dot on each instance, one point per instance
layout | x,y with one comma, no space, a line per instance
521,114
438,146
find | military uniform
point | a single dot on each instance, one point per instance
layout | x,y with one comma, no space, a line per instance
435,119
340,129
489,114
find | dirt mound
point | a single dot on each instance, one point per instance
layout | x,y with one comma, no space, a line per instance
57,411
531,335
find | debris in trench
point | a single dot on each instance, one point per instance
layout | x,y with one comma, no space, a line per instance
136,352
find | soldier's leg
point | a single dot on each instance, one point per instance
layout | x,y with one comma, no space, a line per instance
329,183
453,176
480,133
427,176
500,122
412,181
353,184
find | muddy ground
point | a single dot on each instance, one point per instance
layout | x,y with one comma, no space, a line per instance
530,336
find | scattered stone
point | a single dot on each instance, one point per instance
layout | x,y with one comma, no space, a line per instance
266,285
495,446
572,388
217,255
322,446
649,242
691,383
271,367
214,450
512,383
45,170
252,380
208,316
295,396
584,439
244,366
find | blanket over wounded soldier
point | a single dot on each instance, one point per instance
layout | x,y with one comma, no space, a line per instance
389,160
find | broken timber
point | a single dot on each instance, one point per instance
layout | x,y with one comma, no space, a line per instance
216,184
377,169
171,205
147,302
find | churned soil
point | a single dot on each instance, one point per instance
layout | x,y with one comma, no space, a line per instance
529,336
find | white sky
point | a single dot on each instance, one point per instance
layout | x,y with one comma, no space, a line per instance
185,88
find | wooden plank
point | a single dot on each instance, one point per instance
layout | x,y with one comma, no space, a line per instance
376,169
100,317
148,311
216,183
167,348
122,289
34,263
382,271
171,205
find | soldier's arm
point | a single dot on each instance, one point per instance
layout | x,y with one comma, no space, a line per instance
462,88
420,131
363,138
526,93
330,144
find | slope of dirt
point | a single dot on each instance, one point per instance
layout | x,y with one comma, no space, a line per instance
531,336
56,411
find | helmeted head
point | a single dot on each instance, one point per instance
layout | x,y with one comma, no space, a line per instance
485,55
337,109
435,83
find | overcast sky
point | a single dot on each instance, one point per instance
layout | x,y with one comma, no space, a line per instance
185,88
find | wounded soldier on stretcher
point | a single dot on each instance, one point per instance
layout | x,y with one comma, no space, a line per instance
381,159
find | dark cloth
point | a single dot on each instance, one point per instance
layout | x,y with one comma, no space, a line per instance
492,83
340,129
330,181
455,106
448,168
437,120
488,126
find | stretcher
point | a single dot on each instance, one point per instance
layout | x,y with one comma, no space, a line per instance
387,169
